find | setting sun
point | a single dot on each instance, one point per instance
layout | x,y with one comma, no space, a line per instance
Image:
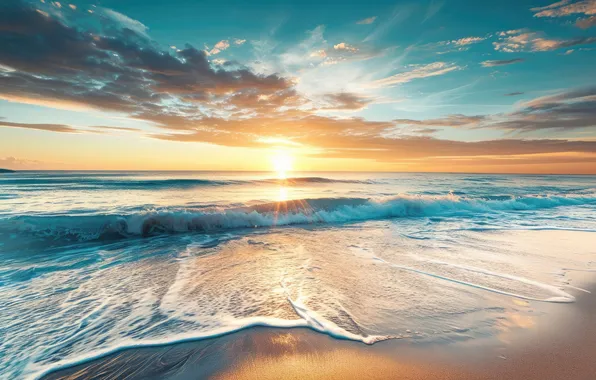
282,163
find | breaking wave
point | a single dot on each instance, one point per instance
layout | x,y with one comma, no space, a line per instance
295,212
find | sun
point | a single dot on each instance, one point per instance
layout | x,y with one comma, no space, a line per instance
282,163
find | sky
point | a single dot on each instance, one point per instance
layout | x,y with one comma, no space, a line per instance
504,86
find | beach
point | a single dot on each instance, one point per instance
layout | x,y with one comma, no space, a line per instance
557,348
323,275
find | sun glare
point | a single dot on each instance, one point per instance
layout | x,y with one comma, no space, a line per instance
282,164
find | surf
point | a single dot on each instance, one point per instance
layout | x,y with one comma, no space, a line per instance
80,228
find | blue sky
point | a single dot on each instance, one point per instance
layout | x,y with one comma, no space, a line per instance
428,85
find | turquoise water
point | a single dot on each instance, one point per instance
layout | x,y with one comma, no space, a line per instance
92,262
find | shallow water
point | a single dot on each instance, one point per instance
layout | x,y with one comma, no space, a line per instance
95,262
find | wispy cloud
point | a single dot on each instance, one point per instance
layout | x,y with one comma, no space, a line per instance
124,20
40,127
567,8
433,8
468,41
400,14
367,21
450,46
523,40
417,72
502,62
15,163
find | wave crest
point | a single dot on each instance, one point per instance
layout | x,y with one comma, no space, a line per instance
294,212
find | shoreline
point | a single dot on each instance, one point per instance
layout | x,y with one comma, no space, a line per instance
560,345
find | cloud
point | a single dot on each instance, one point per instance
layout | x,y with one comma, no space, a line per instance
40,127
358,138
501,62
124,20
468,41
564,111
586,23
456,120
239,41
523,40
400,14
433,8
219,47
566,8
301,53
548,45
54,64
417,72
190,99
19,163
367,21
321,53
117,129
344,46
62,128
425,131
517,93
345,101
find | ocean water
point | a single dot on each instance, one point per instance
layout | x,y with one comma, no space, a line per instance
95,262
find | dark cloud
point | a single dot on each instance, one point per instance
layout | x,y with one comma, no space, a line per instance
112,69
516,93
346,101
567,110
63,128
40,127
456,120
502,62
425,131
564,111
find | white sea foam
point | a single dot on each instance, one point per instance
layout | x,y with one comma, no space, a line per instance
305,211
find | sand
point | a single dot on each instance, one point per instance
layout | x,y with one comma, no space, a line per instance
560,345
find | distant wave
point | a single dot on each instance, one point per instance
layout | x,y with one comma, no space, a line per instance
295,212
78,183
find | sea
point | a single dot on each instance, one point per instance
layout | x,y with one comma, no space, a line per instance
92,263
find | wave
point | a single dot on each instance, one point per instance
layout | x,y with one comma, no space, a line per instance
80,183
295,212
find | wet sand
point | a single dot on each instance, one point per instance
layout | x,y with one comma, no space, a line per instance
560,344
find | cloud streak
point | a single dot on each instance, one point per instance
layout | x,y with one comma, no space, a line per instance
367,21
523,41
501,62
417,72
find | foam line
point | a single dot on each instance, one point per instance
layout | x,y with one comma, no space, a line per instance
562,297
